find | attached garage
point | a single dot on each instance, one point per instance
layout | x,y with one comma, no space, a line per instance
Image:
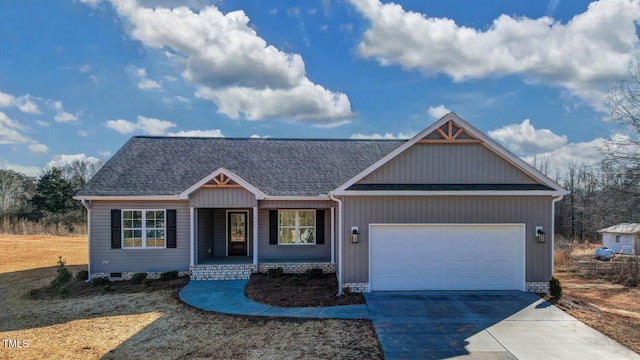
447,257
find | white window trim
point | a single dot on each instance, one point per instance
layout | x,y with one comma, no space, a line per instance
144,229
297,227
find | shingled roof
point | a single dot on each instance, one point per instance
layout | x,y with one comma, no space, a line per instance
166,166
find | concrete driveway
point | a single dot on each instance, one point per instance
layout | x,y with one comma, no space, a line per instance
483,325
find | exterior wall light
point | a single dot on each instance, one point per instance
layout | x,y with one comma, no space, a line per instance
354,234
540,234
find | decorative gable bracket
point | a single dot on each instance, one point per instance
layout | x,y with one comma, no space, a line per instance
452,135
221,181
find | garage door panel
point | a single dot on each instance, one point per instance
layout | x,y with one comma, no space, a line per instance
447,257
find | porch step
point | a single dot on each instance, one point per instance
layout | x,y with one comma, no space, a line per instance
222,271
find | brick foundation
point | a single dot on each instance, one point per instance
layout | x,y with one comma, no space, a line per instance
357,287
540,287
298,267
127,275
222,271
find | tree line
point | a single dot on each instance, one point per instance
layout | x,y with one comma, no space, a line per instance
30,205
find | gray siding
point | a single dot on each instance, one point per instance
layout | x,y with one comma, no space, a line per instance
205,233
137,260
447,164
222,198
219,232
268,252
529,210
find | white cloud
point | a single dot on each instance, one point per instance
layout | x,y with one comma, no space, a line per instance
144,83
24,103
67,159
32,171
256,136
584,55
42,123
83,133
438,111
104,153
198,133
387,136
526,139
61,114
234,67
9,131
558,161
148,126
38,148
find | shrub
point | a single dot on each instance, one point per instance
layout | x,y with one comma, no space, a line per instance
138,278
275,272
346,291
295,280
82,275
168,275
146,282
314,274
107,288
63,275
63,290
100,281
555,288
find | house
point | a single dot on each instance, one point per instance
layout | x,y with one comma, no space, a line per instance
447,209
622,238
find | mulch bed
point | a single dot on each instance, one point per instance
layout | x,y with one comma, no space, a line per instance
284,291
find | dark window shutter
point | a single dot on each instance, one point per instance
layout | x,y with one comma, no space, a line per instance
273,227
116,231
319,226
171,229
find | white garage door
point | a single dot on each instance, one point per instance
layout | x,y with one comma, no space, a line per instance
446,257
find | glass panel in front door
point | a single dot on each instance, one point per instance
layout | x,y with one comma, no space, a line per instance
238,227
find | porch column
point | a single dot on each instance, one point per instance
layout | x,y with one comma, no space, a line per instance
255,235
333,235
192,236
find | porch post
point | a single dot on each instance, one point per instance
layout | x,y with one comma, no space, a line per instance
192,236
333,235
255,235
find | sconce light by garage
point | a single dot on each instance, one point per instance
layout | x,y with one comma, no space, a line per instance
540,234
354,234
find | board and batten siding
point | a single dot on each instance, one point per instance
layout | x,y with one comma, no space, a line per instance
205,234
137,260
292,252
529,210
222,198
447,164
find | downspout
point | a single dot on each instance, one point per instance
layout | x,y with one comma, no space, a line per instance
87,205
339,242
553,228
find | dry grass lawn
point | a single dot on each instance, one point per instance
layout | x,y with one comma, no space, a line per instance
146,324
610,308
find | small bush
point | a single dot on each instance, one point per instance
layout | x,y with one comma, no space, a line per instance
107,288
295,280
346,291
314,274
63,290
138,278
146,282
275,272
63,275
555,288
169,275
100,281
82,275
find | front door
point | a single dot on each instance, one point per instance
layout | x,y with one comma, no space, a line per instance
237,233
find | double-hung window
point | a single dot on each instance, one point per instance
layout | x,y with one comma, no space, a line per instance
143,228
296,227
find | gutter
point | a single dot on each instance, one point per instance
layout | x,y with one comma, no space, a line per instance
340,236
87,205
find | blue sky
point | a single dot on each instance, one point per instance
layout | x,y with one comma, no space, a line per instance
78,78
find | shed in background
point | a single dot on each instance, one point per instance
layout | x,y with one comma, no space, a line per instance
622,238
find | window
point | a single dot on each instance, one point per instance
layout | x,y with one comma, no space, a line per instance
143,228
296,227
617,238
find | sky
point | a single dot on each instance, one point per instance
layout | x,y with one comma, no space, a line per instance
78,78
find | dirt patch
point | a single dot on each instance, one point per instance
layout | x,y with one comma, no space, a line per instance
289,290
137,322
609,307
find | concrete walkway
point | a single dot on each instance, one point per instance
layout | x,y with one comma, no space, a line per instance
227,297
483,325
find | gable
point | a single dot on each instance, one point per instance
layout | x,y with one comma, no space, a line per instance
445,156
447,163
